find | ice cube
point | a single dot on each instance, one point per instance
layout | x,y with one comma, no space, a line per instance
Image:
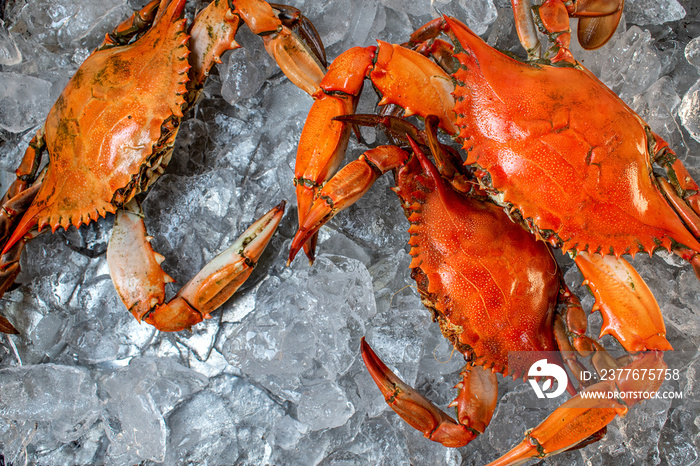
62,395
9,53
24,101
689,111
644,12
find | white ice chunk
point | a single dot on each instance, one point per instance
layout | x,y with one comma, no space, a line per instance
136,430
692,52
9,53
244,70
24,101
139,395
657,106
689,111
65,396
645,12
61,22
632,65
306,328
323,406
203,429
477,14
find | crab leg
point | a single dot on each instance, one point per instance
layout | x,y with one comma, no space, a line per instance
211,34
583,416
344,189
403,77
9,269
570,325
447,159
214,30
475,403
323,141
19,197
140,281
137,23
12,211
685,195
525,27
293,55
15,202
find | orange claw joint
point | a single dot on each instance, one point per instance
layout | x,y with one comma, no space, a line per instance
140,281
344,189
583,416
475,404
630,311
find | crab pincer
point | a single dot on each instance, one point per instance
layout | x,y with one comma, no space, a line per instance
585,414
476,402
140,281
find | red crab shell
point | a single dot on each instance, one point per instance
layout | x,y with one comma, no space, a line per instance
492,287
561,148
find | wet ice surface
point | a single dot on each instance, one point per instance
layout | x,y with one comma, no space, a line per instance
275,377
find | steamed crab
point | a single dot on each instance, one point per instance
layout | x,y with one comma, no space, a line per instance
110,135
500,300
569,162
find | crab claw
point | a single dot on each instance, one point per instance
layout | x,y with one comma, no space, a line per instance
588,412
221,277
344,189
140,281
630,311
475,403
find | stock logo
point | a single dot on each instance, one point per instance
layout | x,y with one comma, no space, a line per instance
547,372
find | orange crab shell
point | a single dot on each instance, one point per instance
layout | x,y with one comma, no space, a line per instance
492,287
563,150
98,148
